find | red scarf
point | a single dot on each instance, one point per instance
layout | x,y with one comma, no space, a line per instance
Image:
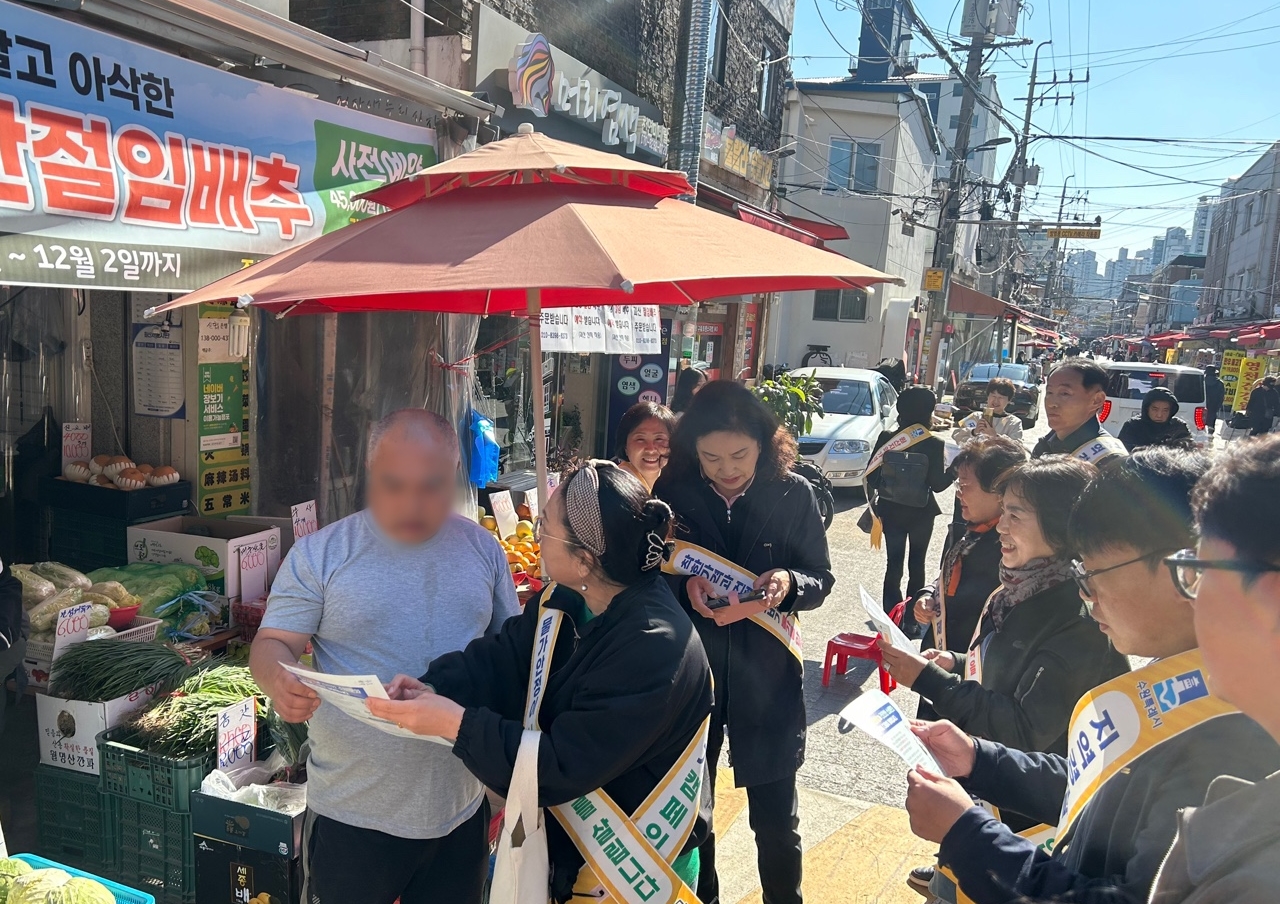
954,559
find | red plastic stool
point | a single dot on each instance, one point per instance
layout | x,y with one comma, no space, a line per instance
859,646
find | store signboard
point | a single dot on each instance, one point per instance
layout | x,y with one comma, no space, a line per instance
722,146
637,378
1251,371
122,167
545,85
612,329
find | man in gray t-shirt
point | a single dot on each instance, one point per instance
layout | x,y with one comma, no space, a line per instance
385,591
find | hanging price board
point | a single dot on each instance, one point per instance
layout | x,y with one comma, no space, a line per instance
304,519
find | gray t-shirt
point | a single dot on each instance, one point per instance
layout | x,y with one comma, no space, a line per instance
374,606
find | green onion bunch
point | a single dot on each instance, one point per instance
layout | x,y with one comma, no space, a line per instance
101,670
184,724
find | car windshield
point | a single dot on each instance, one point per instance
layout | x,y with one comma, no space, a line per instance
1016,372
1136,382
846,397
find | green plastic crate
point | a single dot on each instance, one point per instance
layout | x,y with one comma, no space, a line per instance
75,821
131,772
157,851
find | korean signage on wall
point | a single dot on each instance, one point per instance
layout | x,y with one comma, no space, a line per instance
611,330
722,146
127,168
546,86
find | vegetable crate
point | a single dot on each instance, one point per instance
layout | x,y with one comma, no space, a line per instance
85,541
157,851
74,819
122,895
151,778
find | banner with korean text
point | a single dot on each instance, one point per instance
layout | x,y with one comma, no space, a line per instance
123,167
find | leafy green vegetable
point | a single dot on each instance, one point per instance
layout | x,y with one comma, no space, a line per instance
10,869
104,671
206,556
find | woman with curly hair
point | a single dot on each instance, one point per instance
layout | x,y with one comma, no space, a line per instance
746,525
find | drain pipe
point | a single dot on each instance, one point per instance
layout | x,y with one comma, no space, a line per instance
418,36
695,90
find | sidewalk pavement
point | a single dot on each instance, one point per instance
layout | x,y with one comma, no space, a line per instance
855,852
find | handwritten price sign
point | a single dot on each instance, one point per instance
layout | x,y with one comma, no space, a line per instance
504,512
304,519
77,443
237,733
73,628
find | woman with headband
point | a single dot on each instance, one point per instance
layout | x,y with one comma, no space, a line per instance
621,699
751,551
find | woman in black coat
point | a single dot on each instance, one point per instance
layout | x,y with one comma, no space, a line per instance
734,496
628,686
1035,652
907,524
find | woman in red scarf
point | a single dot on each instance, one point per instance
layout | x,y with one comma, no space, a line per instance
950,606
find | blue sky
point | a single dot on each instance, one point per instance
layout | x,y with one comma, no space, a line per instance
1169,69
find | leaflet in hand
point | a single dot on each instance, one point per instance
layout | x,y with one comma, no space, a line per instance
878,716
885,625
348,693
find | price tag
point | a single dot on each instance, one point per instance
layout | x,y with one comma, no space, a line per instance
73,628
504,511
253,571
304,519
237,732
531,500
77,443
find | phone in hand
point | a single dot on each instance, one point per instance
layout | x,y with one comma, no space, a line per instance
721,601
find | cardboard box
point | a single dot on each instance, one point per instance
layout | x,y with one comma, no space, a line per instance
40,653
230,874
244,851
238,560
68,729
246,826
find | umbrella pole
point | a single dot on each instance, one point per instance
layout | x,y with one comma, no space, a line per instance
534,299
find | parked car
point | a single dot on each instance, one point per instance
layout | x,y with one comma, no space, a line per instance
1129,381
971,394
856,405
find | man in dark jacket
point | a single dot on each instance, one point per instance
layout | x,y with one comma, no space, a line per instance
1073,396
1260,408
1158,425
1215,392
1123,525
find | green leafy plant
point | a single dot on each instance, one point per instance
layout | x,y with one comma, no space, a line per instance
794,399
206,556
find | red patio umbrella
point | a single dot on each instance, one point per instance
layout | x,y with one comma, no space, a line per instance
534,239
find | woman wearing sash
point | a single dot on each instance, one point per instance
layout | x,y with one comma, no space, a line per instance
905,524
744,520
949,607
1032,655
625,692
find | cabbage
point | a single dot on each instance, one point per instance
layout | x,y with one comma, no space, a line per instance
55,886
9,870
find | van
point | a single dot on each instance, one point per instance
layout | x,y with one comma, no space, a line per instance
1129,381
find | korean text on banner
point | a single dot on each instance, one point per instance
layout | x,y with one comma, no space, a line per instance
123,167
611,329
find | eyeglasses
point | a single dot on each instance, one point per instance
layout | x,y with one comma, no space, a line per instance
1187,570
1084,579
540,533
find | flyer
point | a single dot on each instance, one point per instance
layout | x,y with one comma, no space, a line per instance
348,693
885,625
874,713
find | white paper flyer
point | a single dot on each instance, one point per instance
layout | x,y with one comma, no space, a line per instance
884,624
878,716
348,693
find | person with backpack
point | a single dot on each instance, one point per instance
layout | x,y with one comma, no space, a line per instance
907,467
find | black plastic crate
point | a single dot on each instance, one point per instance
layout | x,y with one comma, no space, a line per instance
146,504
75,821
85,541
152,778
157,851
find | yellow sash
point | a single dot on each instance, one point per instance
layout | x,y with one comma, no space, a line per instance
973,662
1116,723
901,442
624,865
1099,448
691,559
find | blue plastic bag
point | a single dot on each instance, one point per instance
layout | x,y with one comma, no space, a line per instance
484,450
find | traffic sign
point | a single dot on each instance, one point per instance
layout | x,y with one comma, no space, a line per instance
1074,232
933,279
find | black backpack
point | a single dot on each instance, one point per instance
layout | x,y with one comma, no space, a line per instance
904,479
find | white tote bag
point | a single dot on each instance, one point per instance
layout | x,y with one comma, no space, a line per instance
522,874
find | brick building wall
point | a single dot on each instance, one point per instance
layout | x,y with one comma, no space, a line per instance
734,100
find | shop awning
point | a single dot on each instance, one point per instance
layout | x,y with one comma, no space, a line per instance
231,29
1250,339
1221,334
810,232
1271,332
963,300
1169,340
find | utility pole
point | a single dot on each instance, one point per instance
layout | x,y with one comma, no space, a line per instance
1052,278
944,245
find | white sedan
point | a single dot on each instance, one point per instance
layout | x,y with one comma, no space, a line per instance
857,404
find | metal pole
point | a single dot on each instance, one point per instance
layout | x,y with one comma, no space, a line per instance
534,303
1020,169
1050,282
944,248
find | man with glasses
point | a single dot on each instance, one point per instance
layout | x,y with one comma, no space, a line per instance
1228,850
1141,747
